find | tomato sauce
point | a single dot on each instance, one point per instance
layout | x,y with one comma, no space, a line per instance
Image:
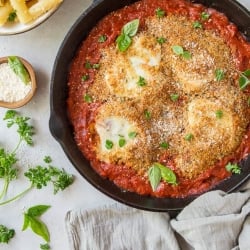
82,114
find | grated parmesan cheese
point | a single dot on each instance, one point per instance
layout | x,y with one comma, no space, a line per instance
12,89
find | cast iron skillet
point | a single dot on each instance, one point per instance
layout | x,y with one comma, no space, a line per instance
60,126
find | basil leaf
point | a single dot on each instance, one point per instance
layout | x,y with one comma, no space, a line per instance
219,74
178,50
167,174
132,134
39,228
247,73
187,55
243,82
154,174
131,28
123,41
37,210
26,222
19,69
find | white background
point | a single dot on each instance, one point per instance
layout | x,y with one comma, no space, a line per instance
39,46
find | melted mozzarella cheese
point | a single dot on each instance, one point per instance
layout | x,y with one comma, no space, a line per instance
114,129
127,68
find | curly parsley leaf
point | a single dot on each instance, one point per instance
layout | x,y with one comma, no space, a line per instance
41,176
45,246
24,129
6,234
8,171
233,168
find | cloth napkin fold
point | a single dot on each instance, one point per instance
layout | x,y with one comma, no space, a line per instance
214,221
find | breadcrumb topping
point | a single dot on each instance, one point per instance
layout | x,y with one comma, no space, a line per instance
151,109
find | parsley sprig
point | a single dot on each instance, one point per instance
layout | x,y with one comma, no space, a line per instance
8,170
38,176
233,168
6,234
24,129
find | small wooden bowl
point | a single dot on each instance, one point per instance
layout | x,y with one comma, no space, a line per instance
27,98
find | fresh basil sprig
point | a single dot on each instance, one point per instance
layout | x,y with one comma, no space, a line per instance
158,172
178,50
19,69
32,220
129,30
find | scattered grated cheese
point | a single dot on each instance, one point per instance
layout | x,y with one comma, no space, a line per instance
12,89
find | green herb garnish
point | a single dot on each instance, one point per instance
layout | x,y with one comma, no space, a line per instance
87,98
154,175
85,77
38,176
24,130
233,168
157,172
161,40
102,39
178,50
122,142
189,137
44,246
204,16
164,145
219,114
32,220
219,74
88,65
244,79
109,144
197,25
147,114
160,13
47,159
174,97
19,69
95,66
129,30
12,16
141,82
6,234
132,135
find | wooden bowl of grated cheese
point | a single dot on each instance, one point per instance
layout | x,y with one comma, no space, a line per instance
17,82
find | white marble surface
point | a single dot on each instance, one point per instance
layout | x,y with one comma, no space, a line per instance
39,46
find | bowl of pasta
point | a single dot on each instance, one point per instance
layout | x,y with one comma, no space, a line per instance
20,16
150,99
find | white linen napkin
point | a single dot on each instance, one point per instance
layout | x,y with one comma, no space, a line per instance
214,221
